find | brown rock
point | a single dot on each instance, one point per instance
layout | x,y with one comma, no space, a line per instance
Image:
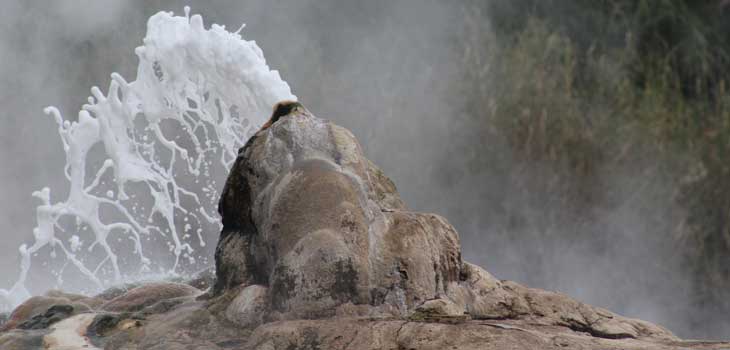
21,340
439,310
306,214
31,307
91,302
249,307
485,297
415,259
362,334
147,295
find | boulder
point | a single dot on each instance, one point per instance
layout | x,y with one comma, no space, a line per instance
249,307
21,340
39,312
54,314
307,215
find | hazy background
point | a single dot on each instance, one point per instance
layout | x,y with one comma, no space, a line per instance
461,111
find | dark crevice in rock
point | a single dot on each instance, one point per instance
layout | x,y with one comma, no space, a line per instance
586,328
397,336
377,296
346,279
104,323
282,288
235,210
54,314
231,344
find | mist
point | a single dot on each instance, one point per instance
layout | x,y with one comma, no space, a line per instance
393,73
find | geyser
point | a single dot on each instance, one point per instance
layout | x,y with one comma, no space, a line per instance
141,159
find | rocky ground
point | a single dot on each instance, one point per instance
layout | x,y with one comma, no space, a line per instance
318,251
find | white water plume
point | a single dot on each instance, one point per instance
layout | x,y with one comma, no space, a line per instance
141,160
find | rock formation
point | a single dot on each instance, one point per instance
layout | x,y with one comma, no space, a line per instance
317,225
318,251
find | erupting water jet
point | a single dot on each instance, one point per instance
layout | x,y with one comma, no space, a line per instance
142,160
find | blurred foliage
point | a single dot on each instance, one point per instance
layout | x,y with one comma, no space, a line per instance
594,90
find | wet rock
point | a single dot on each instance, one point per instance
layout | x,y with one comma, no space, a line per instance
249,307
233,260
559,309
69,334
485,297
103,324
138,298
54,314
31,307
362,334
115,291
55,293
383,190
418,256
91,302
306,214
109,328
439,310
189,326
22,339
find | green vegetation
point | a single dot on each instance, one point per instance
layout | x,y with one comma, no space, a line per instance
598,90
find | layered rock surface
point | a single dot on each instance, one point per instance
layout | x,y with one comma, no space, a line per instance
306,216
318,251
